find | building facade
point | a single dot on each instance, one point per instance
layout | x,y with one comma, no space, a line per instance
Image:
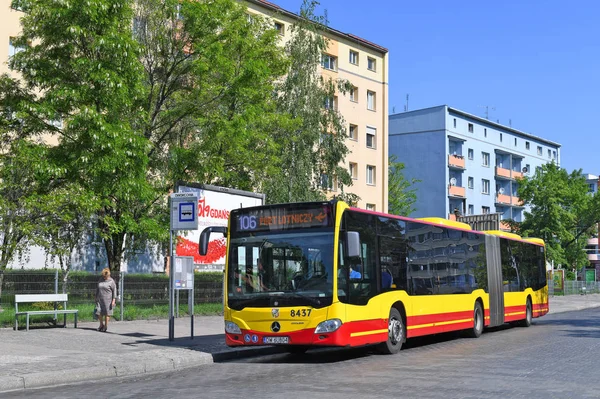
466,165
364,108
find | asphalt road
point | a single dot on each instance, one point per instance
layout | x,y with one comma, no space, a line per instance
557,357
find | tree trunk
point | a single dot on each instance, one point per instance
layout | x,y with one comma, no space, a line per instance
1,284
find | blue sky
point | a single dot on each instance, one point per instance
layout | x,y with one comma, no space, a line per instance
535,64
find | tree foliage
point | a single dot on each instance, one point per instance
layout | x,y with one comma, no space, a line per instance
135,97
401,197
312,149
562,212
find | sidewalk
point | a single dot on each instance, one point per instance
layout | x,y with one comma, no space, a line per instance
55,356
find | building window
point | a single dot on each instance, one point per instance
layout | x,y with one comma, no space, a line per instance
371,207
353,57
549,154
330,102
470,153
280,28
591,188
370,100
371,135
13,48
470,182
539,150
485,186
327,182
371,64
353,132
485,159
554,155
501,137
354,94
371,175
484,132
329,62
353,169
485,210
527,169
527,145
470,128
471,209
455,123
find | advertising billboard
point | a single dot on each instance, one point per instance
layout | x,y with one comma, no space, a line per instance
214,205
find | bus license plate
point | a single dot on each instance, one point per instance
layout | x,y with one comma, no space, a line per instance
276,340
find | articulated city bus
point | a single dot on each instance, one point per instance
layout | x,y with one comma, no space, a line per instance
326,274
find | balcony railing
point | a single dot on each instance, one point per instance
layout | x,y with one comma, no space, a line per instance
592,241
594,257
456,191
456,161
507,173
503,199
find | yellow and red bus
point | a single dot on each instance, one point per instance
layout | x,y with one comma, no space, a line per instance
327,274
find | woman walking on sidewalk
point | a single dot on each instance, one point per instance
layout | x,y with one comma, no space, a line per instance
106,294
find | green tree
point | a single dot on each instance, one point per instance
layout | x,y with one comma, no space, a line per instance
188,95
312,150
401,197
562,212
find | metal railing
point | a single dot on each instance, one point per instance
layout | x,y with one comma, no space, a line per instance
132,289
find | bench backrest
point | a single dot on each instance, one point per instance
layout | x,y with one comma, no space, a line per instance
22,298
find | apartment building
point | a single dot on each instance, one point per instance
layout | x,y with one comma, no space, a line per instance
466,165
364,108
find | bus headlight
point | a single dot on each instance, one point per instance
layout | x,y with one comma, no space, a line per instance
328,326
232,328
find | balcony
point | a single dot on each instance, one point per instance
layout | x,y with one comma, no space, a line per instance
593,257
455,191
508,200
456,161
592,241
502,173
451,216
503,199
504,226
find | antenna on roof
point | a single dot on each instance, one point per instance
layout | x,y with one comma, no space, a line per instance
406,106
487,110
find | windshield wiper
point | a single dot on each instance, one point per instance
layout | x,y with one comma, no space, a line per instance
313,301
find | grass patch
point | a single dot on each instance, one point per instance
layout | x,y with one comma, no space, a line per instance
130,312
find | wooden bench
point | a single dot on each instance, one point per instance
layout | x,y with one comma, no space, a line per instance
31,298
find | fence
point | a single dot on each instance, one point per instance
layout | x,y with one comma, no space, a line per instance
571,287
133,289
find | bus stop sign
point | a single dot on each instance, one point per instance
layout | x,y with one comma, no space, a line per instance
184,211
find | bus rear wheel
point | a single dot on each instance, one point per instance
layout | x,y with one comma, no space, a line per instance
528,314
477,329
396,334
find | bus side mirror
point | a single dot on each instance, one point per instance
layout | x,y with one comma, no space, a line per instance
205,235
352,244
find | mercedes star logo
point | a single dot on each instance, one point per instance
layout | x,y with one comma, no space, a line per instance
275,327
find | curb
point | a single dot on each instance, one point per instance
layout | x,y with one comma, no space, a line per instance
158,363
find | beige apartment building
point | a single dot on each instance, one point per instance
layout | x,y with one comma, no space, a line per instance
365,108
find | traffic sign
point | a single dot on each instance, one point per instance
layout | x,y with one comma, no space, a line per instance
184,211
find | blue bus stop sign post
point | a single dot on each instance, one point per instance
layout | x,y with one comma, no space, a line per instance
184,216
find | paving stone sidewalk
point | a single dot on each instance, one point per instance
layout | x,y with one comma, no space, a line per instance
54,356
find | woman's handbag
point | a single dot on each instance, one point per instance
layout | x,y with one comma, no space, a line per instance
95,312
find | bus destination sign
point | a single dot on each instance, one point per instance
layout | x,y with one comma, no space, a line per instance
269,219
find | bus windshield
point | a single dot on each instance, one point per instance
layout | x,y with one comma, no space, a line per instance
284,269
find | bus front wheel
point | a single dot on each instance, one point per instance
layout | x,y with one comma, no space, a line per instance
477,329
396,334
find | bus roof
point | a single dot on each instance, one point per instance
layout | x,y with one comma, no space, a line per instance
446,222
504,234
535,240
